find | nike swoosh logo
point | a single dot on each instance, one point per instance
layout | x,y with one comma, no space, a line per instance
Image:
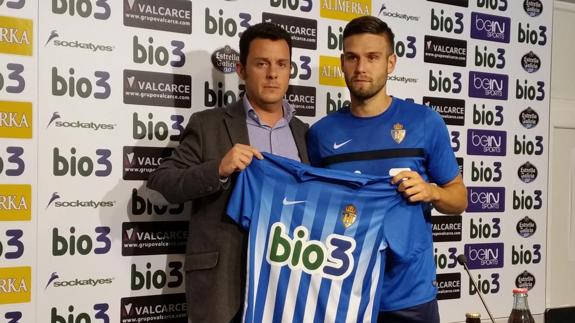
286,202
338,146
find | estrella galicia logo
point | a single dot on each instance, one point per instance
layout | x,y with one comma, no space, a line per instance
154,238
486,199
448,286
525,280
225,59
446,228
526,227
52,278
527,173
529,118
303,99
445,51
533,7
167,15
488,85
451,110
486,142
157,89
484,255
459,3
303,31
154,308
139,162
76,44
530,62
490,27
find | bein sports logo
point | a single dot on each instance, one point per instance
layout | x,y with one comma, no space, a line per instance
484,255
486,142
490,27
488,85
486,199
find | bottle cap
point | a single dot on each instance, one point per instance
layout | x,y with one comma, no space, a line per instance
520,291
473,315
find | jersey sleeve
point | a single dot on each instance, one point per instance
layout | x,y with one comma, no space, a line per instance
441,163
241,204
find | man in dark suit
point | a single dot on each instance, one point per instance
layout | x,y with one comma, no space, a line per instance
216,144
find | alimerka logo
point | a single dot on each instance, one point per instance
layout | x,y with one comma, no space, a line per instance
345,10
15,202
16,36
15,285
16,119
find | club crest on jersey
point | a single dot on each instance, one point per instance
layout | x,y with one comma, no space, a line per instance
398,133
349,215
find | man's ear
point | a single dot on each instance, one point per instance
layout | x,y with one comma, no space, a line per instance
241,71
391,61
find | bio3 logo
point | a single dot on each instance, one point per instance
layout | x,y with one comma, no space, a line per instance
11,79
480,230
14,4
157,54
84,8
142,205
487,117
445,259
100,314
487,286
487,58
481,172
82,165
526,146
446,23
301,70
530,92
500,5
13,317
522,201
11,163
11,246
520,256
220,97
220,24
529,36
336,102
333,260
305,6
157,130
83,244
83,87
445,84
157,279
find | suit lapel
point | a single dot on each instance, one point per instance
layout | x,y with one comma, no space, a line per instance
235,121
299,130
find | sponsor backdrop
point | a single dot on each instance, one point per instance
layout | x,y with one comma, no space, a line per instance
94,93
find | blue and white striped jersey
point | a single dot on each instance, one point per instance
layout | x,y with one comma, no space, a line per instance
316,241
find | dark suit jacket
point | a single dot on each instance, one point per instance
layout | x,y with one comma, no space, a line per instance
217,246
